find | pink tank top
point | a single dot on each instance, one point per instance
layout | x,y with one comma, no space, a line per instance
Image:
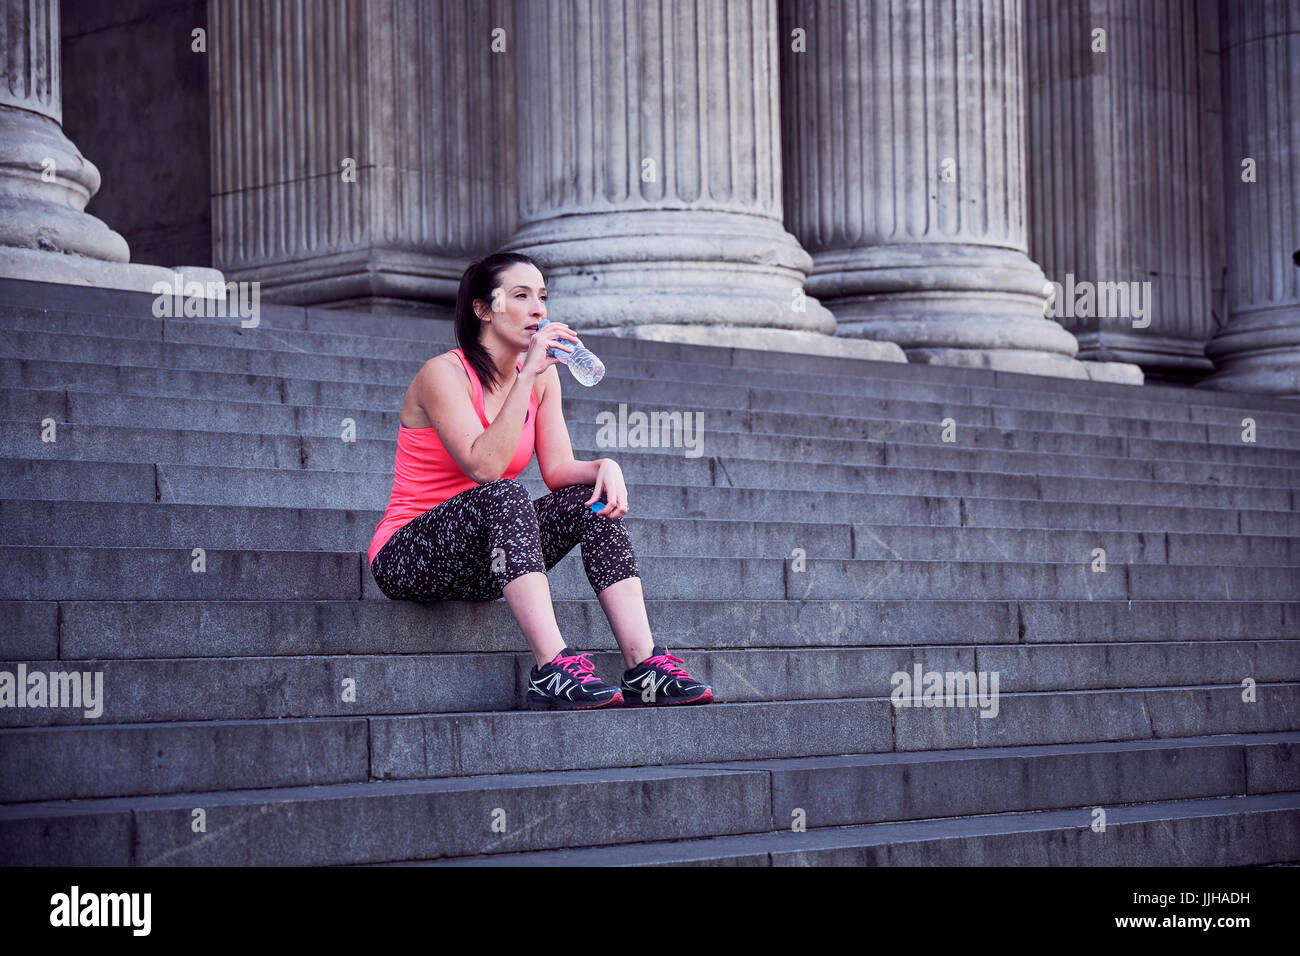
424,473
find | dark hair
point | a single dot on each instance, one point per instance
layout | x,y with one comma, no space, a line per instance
479,280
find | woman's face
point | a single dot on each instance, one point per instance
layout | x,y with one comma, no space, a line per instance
518,304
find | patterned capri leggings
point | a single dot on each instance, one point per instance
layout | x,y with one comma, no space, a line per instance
451,551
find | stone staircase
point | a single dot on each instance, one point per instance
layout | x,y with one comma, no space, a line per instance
826,539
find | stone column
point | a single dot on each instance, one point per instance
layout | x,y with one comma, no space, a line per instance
1120,194
650,173
362,150
1258,348
45,182
904,124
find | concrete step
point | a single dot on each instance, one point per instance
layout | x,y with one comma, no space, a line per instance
1121,689
1226,831
627,808
706,478
313,490
33,573
103,630
104,524
98,442
347,397
260,688
710,399
430,337
184,757
55,297
1164,534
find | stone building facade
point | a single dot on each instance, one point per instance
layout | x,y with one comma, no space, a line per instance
1093,188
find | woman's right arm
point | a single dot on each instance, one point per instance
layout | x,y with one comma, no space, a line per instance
483,454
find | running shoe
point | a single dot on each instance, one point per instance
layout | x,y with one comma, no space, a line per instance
567,683
658,681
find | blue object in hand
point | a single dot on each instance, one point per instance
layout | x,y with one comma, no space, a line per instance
597,506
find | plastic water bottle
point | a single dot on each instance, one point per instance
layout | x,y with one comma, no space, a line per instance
584,365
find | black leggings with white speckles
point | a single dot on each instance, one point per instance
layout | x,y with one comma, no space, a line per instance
475,543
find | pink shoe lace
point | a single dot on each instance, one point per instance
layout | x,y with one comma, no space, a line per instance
578,666
665,660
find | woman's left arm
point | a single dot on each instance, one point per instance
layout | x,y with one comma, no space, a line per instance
555,455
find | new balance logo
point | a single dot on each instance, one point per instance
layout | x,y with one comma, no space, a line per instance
555,684
653,683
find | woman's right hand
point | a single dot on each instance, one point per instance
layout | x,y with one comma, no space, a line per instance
537,360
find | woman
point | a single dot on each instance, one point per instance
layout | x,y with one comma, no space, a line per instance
459,526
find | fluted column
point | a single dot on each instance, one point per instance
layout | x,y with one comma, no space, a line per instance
1258,349
904,128
1119,190
362,150
650,167
45,182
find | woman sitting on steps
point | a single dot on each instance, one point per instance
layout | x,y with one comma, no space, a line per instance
453,529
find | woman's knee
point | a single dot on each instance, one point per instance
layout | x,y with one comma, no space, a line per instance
508,494
507,489
575,497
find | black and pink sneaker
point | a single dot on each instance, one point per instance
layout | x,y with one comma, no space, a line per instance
658,682
567,683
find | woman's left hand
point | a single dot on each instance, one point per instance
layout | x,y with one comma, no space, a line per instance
610,478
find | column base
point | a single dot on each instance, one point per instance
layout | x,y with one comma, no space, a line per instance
769,340
1169,356
375,280
45,184
939,295
1030,363
696,267
39,266
1258,351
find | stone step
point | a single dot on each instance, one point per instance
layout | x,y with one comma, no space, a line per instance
730,386
57,297
234,705
711,399
97,442
193,485
350,339
47,521
183,757
34,573
261,688
104,524
346,397
314,488
625,809
1227,831
102,630
60,297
